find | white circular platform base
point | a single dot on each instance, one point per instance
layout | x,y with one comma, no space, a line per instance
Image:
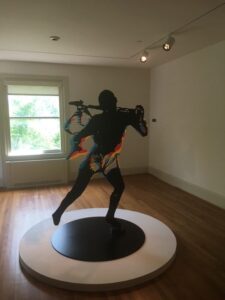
40,260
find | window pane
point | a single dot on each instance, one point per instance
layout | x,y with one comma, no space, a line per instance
33,106
34,136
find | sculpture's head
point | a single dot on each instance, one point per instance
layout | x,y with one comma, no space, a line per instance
107,101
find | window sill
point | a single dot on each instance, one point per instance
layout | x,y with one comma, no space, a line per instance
43,156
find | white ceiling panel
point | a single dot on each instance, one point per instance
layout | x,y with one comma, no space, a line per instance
107,32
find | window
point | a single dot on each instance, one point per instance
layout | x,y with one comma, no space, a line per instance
34,120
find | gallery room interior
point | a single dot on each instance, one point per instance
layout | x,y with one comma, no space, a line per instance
163,64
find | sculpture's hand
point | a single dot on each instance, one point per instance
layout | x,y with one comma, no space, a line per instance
141,125
139,112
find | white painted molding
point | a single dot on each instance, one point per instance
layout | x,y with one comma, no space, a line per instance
35,173
212,197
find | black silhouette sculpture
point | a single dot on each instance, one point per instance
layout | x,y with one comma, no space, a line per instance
107,130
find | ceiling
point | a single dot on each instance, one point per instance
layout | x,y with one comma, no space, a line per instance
107,32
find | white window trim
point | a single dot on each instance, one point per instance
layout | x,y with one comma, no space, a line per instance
5,80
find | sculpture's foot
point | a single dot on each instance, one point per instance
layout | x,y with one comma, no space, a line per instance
56,216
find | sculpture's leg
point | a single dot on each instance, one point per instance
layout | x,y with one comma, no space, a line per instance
84,176
115,178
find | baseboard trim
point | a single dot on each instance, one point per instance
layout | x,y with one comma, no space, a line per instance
133,171
124,171
198,191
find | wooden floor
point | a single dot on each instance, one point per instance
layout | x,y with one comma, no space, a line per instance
198,271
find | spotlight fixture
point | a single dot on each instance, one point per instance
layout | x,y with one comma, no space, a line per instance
144,56
54,38
169,43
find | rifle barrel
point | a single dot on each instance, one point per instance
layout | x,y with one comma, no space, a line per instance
81,103
94,107
77,103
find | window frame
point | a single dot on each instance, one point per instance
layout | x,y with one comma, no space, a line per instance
61,83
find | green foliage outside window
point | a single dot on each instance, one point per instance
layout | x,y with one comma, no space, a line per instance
34,124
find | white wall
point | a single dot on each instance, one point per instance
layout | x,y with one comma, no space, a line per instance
187,143
131,87
187,96
1,169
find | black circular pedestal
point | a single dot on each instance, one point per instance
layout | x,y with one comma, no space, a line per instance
92,239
